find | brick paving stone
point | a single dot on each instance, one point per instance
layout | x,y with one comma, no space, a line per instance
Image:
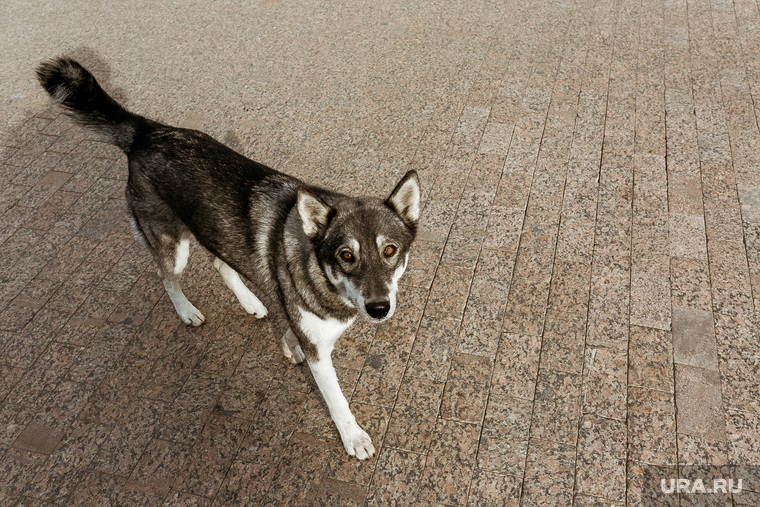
581,302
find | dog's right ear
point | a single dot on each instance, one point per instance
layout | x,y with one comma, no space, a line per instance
314,212
405,198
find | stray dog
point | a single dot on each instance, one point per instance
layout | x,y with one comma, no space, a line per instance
325,256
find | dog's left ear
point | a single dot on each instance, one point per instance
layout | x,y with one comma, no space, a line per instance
405,198
314,212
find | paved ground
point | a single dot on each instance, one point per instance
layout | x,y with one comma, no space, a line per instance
582,305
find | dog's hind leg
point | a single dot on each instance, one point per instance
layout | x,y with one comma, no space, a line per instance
171,268
291,348
247,299
170,245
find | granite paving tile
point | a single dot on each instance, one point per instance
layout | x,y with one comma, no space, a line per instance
63,404
694,338
206,466
493,274
481,327
640,484
39,438
154,473
97,488
18,470
298,479
414,415
700,451
651,426
252,469
433,349
448,467
396,477
423,261
448,293
699,403
58,476
504,439
503,228
436,220
381,376
605,376
601,462
467,386
549,473
650,358
570,286
690,284
742,429
341,466
557,407
562,342
650,292
516,366
489,488
124,445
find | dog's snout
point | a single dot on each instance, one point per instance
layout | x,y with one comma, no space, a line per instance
378,310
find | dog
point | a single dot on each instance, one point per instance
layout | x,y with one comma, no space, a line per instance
326,257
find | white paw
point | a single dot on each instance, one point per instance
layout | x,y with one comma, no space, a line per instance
291,349
190,315
252,305
357,442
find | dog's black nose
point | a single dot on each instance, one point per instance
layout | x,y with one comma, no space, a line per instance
378,310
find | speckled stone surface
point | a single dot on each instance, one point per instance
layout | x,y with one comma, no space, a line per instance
581,306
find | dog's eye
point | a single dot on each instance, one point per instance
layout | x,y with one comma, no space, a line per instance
347,256
389,250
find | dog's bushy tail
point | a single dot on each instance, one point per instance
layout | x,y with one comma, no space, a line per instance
76,89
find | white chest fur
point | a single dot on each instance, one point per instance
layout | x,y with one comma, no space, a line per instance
323,333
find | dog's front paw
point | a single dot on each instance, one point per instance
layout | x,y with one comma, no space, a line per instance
191,316
357,442
253,306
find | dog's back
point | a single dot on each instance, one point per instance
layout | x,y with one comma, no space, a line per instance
174,173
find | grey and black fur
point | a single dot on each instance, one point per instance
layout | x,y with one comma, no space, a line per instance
326,257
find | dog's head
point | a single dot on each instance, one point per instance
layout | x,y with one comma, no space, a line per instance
362,245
